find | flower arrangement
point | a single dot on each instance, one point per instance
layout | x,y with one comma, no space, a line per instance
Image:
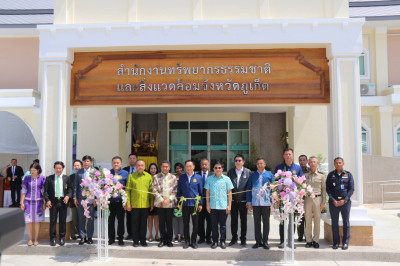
287,195
103,185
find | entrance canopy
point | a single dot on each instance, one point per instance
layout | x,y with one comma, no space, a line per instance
16,137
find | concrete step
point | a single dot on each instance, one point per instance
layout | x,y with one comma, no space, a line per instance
204,252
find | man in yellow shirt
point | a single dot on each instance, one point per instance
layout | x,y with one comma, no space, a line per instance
140,202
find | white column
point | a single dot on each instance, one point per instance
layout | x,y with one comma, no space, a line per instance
56,116
345,119
383,134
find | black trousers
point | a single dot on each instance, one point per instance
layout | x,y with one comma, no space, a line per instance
261,212
334,212
300,228
58,210
16,190
239,208
165,224
129,222
139,224
116,210
187,212
218,217
204,216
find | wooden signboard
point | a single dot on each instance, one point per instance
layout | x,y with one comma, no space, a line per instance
200,77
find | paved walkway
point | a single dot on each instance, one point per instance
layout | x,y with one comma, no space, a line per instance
386,250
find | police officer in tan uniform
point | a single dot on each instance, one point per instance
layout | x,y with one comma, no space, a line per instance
314,206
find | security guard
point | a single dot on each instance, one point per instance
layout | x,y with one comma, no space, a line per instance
314,206
340,187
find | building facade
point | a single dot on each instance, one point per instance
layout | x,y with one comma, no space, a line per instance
63,80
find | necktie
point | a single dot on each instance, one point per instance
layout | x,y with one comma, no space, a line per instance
13,170
58,191
204,178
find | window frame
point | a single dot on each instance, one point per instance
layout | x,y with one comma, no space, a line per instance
368,133
396,130
367,72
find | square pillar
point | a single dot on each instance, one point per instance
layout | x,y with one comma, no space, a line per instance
344,127
56,138
383,136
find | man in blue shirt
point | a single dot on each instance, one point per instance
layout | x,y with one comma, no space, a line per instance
190,186
288,165
219,201
340,187
259,200
116,208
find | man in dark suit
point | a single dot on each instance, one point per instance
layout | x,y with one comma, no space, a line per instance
57,192
239,176
14,174
74,210
77,195
204,215
130,169
190,186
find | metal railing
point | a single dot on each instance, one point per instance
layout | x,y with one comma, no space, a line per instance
397,191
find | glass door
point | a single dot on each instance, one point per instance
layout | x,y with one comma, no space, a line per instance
199,147
218,148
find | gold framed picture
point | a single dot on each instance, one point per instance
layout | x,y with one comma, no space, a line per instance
146,136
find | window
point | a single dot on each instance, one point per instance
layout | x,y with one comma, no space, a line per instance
215,140
364,65
397,140
365,139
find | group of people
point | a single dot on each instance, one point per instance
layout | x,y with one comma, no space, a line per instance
205,199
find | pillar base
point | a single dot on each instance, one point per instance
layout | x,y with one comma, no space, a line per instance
361,227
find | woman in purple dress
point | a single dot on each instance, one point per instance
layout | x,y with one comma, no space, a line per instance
32,202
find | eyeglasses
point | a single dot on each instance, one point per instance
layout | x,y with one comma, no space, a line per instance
236,161
216,168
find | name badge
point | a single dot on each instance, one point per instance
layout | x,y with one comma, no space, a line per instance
345,176
342,186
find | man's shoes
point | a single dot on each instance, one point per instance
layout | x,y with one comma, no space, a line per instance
128,237
74,238
201,241
309,244
194,245
111,241
345,246
170,245
243,243
208,240
121,242
316,245
265,246
53,242
86,240
335,246
281,245
90,241
161,244
223,245
62,241
135,244
143,244
257,245
185,245
82,241
300,239
214,245
233,242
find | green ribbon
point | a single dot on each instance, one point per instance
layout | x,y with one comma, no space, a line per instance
196,206
183,199
180,204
